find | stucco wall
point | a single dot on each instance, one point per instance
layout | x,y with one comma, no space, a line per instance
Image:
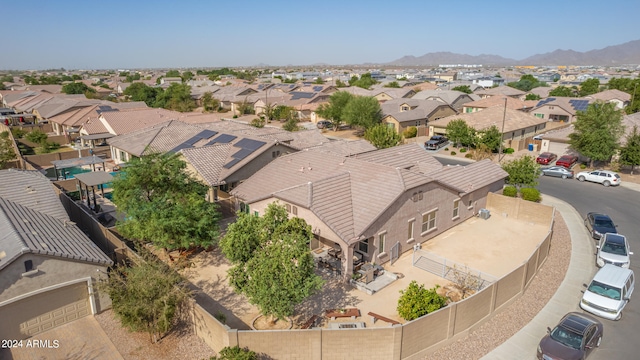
51,271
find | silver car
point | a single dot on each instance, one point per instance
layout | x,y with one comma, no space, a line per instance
613,249
558,171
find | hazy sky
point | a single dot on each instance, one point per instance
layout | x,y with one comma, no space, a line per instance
88,34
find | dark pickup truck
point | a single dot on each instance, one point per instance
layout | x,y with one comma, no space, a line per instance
436,142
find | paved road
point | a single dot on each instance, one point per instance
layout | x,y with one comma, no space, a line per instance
623,205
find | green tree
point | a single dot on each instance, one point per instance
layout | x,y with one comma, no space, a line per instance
341,84
291,125
164,205
362,111
392,84
186,76
176,97
597,131
142,92
7,152
209,103
37,136
365,81
588,87
77,88
75,77
460,133
630,152
532,97
132,78
416,301
631,87
563,91
235,353
334,109
526,83
382,136
318,81
523,171
491,138
147,296
463,88
245,107
279,272
172,73
242,238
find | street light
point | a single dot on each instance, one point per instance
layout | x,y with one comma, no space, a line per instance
504,116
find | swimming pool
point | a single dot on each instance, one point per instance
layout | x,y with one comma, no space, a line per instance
71,172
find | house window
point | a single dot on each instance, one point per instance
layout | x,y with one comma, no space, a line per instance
295,210
405,108
410,229
429,221
418,123
288,207
363,246
28,265
420,195
275,154
456,208
381,240
541,116
256,214
468,110
123,156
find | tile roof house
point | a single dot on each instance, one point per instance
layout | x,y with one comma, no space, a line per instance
452,97
562,109
501,91
516,127
48,266
620,98
125,121
629,121
404,113
491,101
374,205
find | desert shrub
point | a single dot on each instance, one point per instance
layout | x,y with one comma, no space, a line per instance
36,136
18,133
410,132
258,122
235,116
509,151
510,191
583,166
468,156
235,353
446,149
463,150
416,301
530,194
453,153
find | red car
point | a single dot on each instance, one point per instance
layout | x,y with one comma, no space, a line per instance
546,158
567,161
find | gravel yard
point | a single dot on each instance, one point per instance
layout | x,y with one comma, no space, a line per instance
508,322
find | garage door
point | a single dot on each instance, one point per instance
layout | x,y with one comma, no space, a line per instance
44,311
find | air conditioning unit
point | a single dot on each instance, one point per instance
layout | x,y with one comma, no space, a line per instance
416,247
484,214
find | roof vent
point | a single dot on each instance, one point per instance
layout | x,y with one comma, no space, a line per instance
30,189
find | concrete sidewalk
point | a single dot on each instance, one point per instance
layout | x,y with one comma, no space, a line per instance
581,269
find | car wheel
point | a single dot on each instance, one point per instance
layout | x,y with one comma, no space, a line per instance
599,341
581,178
606,183
564,176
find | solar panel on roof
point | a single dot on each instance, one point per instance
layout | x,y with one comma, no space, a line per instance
180,147
242,153
205,134
579,105
317,88
230,164
222,139
249,144
544,101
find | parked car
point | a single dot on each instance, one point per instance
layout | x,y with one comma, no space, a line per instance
609,292
613,249
436,142
567,161
599,224
546,158
324,124
574,337
604,177
558,171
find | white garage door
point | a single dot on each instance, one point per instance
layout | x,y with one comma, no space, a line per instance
44,311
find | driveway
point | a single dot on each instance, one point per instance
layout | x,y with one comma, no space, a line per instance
82,339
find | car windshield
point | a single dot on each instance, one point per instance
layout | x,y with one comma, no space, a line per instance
566,337
604,223
614,248
604,290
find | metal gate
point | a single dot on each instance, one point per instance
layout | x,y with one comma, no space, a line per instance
395,249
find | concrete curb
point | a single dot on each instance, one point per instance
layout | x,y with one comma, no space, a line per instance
566,299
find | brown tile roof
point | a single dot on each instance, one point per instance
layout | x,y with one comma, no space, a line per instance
343,147
491,101
609,95
339,190
501,90
128,120
480,120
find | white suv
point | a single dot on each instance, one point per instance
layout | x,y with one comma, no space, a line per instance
604,177
613,249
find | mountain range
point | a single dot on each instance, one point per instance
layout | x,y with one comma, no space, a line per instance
627,53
